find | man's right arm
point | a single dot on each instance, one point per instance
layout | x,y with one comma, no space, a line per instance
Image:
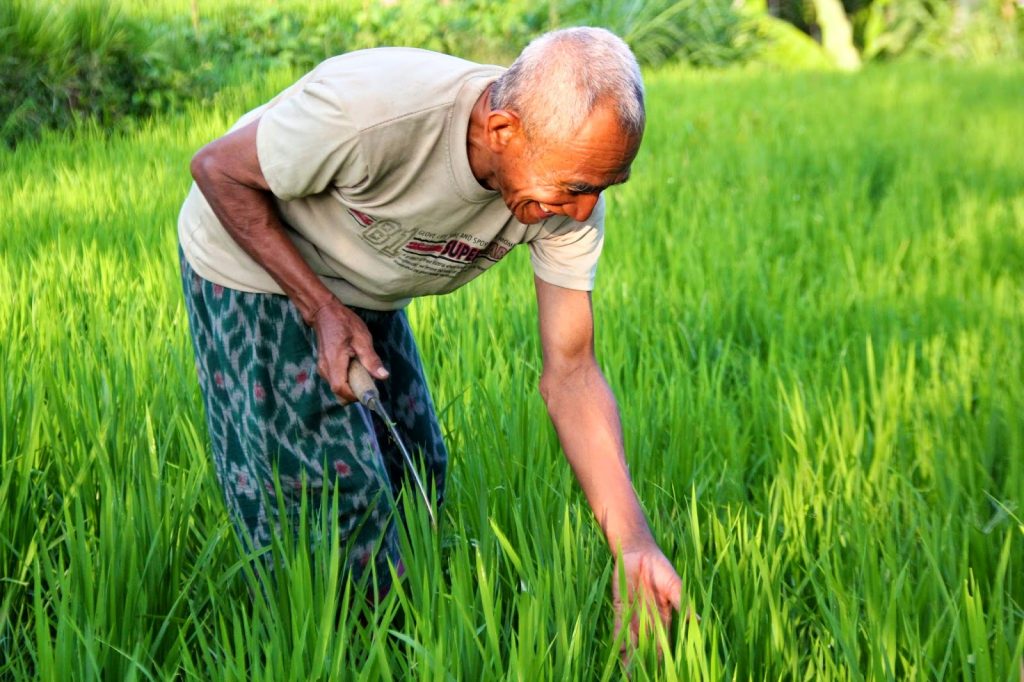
228,173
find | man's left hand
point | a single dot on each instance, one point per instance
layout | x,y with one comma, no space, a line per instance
651,582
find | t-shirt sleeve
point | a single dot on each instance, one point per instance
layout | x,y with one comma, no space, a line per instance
306,142
567,255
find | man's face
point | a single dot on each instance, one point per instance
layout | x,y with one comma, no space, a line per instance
538,181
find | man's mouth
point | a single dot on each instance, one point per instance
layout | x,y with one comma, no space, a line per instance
530,212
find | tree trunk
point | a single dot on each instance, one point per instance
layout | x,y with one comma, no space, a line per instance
195,18
837,34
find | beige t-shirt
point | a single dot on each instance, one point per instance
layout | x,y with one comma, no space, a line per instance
366,156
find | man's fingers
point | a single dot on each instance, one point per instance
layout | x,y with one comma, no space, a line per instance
643,619
362,350
666,612
675,598
631,637
671,598
370,360
336,374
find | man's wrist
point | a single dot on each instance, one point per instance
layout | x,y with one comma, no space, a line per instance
310,317
630,535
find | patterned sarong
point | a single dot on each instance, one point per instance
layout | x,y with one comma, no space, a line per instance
271,414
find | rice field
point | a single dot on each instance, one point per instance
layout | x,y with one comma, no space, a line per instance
810,308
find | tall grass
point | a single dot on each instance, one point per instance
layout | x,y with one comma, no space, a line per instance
809,307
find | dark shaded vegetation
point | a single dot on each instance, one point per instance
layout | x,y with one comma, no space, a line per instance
60,63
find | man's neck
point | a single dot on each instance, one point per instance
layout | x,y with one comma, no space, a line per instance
481,159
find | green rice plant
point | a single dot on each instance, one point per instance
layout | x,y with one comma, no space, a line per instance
813,326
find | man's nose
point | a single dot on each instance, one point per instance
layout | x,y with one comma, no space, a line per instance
583,206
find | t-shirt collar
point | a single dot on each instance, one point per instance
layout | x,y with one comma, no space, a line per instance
465,184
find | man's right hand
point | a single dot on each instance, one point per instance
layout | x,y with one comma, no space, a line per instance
342,336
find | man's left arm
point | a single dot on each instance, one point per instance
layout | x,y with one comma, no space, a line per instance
586,418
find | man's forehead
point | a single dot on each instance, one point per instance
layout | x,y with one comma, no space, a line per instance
585,164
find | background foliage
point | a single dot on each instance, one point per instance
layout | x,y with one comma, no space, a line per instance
106,60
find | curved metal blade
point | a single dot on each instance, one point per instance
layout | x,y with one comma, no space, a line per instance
374,404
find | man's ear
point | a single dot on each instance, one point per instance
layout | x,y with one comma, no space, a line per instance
503,129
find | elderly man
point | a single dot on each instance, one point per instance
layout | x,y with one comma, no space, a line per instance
380,176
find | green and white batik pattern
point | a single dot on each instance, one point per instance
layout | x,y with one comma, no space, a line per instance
269,412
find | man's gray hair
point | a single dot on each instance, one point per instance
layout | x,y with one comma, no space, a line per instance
562,76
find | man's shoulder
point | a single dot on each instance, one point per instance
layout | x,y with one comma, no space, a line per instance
407,61
390,82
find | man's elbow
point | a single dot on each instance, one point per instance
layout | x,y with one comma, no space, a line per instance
565,380
202,165
547,388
